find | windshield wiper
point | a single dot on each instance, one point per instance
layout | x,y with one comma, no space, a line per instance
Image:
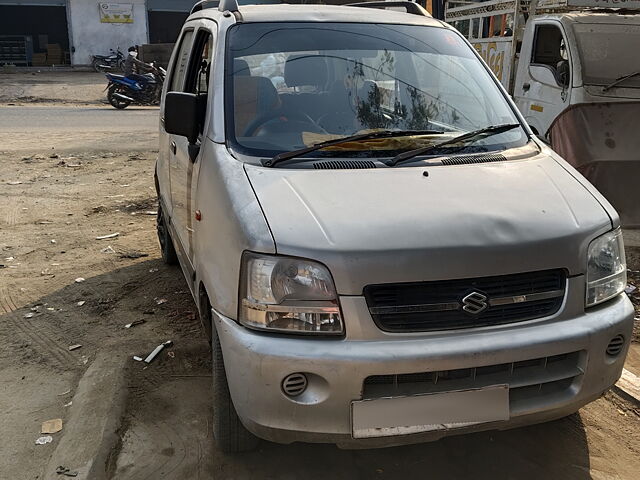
620,80
487,131
281,157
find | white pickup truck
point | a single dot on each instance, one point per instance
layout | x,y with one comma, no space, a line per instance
573,69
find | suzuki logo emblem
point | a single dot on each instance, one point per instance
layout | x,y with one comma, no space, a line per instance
475,303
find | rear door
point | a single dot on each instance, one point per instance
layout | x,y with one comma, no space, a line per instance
186,161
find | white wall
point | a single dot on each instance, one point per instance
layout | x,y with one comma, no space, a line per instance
89,36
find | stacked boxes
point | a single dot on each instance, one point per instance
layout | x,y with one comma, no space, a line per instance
54,54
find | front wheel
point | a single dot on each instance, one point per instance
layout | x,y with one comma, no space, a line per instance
230,435
116,102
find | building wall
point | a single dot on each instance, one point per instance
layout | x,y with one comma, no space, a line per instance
90,36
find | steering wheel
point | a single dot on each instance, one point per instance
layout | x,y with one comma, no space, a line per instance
266,117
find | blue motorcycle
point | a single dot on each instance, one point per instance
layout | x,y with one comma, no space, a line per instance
123,91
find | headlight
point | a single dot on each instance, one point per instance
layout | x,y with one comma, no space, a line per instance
606,268
289,295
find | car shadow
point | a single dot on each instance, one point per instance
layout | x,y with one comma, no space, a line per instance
167,428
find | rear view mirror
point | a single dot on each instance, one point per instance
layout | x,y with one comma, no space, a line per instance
181,115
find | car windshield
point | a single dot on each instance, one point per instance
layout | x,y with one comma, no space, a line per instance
292,85
609,52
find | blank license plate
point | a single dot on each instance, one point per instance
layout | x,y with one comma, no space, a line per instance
383,417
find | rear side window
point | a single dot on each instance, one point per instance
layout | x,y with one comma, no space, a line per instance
181,62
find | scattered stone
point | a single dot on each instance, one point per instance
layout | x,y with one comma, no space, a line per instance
51,426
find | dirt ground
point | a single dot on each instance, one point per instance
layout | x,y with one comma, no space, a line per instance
53,206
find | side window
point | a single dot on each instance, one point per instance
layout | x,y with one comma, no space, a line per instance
201,64
199,72
549,49
181,61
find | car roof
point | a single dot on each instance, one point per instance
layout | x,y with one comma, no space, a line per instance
320,13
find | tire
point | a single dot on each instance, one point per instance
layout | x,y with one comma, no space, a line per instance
230,435
96,64
115,101
164,237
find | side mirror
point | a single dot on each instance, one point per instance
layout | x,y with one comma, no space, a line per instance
543,74
181,115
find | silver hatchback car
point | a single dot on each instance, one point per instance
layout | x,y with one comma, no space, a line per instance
381,251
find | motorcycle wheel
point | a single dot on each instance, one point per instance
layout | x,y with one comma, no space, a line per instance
97,65
115,101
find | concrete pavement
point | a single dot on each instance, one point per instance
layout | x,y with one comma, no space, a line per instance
73,128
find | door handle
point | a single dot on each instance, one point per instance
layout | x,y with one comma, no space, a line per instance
174,147
526,86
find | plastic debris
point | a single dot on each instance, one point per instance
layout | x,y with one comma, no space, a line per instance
52,426
68,404
29,315
44,440
137,358
111,235
74,347
64,393
150,212
81,303
53,241
157,350
160,301
630,289
15,182
79,280
134,323
108,249
153,270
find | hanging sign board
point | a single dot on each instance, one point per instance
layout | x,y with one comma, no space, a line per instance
116,12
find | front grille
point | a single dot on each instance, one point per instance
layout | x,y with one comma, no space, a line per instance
441,305
527,379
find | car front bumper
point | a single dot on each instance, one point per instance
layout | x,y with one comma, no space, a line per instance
256,364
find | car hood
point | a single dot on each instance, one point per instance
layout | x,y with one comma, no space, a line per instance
398,225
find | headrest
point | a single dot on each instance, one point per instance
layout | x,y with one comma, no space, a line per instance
256,91
305,70
240,67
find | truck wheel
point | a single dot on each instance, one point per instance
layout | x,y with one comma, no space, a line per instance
164,237
115,101
230,434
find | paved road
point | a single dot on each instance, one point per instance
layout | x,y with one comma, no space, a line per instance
78,128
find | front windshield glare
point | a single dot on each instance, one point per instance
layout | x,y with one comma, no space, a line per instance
291,85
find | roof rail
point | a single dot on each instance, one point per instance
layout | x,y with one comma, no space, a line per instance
201,5
411,7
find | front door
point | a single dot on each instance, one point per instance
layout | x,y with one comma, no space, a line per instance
543,82
186,160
